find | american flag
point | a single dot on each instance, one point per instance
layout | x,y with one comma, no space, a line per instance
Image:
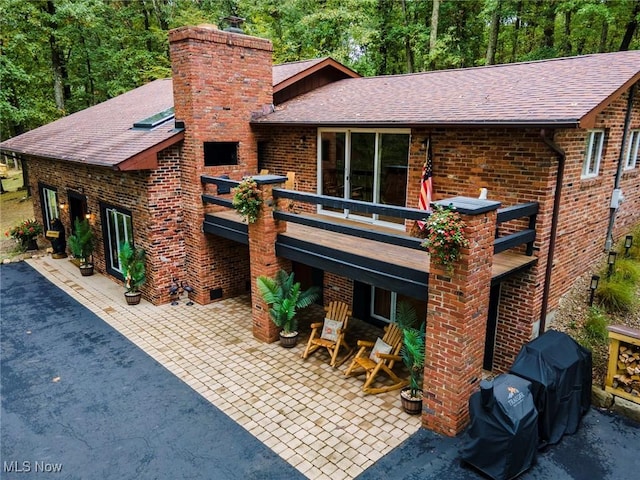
426,187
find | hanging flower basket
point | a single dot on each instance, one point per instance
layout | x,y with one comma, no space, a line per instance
445,235
247,199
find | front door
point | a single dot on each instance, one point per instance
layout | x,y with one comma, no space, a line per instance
77,208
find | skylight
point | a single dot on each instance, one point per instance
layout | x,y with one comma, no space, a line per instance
155,120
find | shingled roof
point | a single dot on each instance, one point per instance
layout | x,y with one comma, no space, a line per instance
565,92
104,134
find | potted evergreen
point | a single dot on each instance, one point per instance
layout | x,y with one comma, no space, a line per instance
133,270
413,357
284,297
81,244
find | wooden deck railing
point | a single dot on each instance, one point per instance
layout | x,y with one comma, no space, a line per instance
526,236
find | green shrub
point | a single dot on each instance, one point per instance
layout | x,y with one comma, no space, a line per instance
627,270
595,326
617,295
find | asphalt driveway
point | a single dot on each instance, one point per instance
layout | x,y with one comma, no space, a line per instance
78,397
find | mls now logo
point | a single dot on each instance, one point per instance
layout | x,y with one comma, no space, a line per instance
27,466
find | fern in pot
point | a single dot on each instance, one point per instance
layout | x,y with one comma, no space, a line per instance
81,244
285,297
133,270
413,351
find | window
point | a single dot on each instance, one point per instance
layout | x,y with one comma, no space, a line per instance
385,303
595,142
117,230
364,165
220,153
50,211
631,157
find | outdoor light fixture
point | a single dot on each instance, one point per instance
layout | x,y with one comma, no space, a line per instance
87,215
628,241
611,261
595,279
63,206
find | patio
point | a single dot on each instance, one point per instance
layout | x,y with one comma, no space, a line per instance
312,416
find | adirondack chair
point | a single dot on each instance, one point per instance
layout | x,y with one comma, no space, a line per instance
378,357
330,333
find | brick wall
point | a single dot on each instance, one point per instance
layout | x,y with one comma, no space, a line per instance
455,330
337,289
219,79
152,197
584,212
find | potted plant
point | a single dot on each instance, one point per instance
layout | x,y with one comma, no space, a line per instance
25,233
247,199
81,244
284,297
133,270
445,235
412,353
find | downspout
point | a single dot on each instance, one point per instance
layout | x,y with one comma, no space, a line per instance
554,226
616,184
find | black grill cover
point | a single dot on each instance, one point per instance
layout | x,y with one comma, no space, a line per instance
503,434
560,371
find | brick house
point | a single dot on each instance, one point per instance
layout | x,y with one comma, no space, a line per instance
550,141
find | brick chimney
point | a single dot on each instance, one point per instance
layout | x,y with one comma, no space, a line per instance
220,79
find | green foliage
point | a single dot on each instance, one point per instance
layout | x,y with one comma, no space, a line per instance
617,295
628,270
285,297
82,242
445,235
133,267
247,199
104,48
595,326
413,347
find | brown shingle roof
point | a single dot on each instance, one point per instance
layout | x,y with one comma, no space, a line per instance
563,92
285,71
103,134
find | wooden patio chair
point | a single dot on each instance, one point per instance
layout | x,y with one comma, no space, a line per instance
264,171
290,183
330,333
378,357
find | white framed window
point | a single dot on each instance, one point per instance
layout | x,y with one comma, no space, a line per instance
631,156
595,143
49,205
118,229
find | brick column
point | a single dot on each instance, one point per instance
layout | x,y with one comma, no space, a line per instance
262,254
456,321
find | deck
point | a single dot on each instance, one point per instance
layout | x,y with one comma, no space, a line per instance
388,266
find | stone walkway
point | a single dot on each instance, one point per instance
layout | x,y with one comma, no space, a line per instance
316,419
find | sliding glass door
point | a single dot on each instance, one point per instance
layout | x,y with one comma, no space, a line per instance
366,165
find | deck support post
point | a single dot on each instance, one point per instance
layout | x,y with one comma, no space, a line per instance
262,253
456,321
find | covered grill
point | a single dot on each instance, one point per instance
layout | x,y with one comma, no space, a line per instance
502,438
560,372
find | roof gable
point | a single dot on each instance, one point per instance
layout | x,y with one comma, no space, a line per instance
565,92
293,79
